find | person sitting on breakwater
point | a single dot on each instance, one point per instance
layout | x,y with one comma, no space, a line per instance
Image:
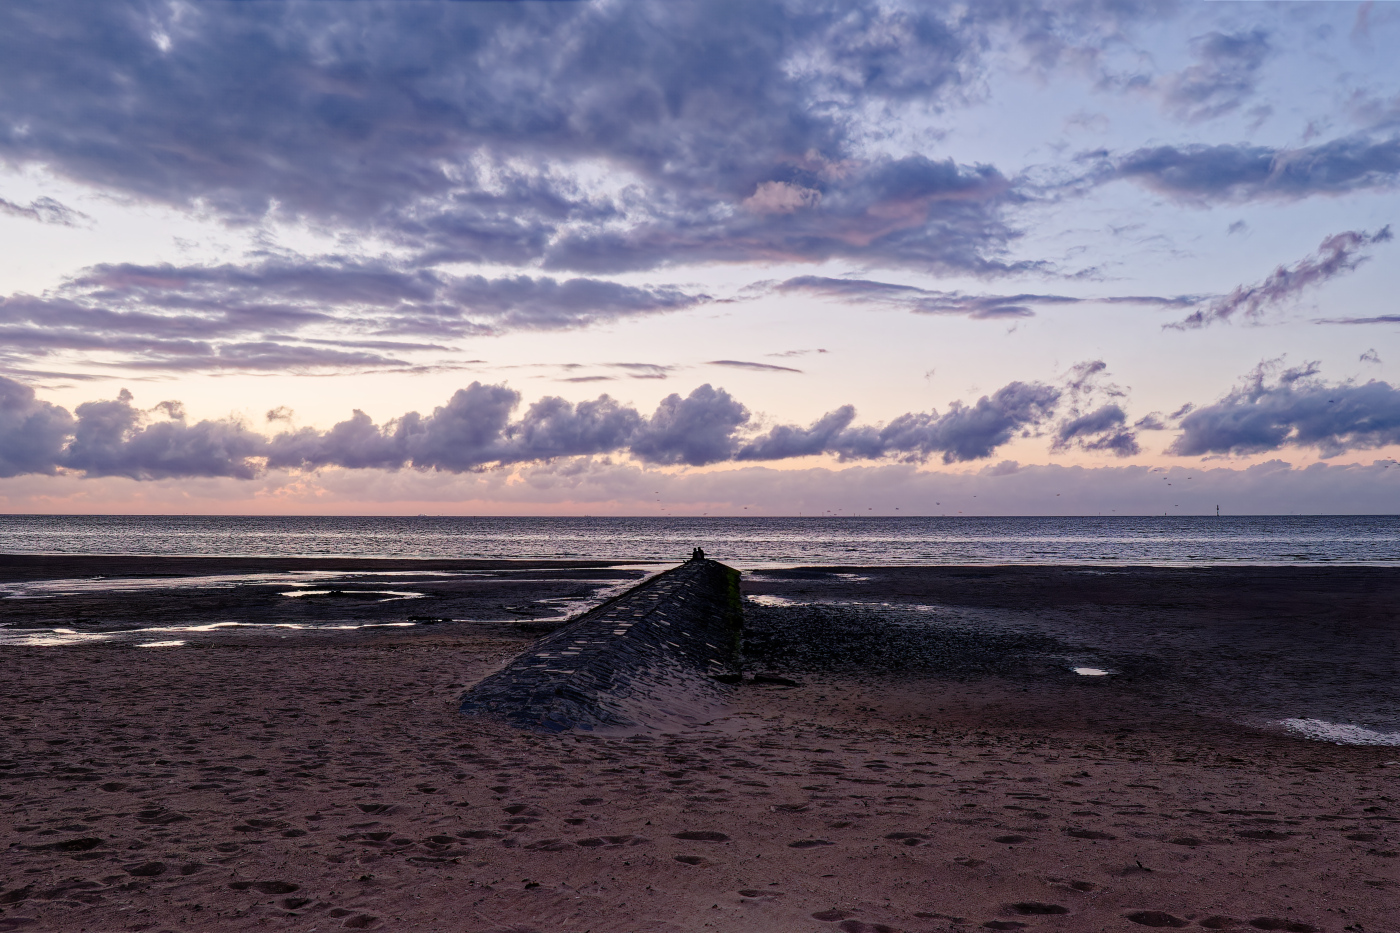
697,554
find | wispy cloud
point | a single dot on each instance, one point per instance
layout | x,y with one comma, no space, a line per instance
45,211
928,301
1337,255
758,367
1233,173
1222,77
303,313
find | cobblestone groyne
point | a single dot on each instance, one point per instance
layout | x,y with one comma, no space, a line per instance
648,658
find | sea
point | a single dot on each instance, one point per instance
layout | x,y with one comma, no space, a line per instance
747,543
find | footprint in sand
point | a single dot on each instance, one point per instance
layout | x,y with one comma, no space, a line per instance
1004,925
266,887
701,835
1191,841
550,845
160,817
361,922
809,843
831,916
690,859
1218,922
1089,834
1037,908
967,861
1156,918
612,842
591,801
1010,840
83,844
909,839
1277,923
860,926
755,893
146,870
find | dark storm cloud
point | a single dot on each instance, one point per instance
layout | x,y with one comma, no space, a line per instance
472,132
1293,408
32,433
1222,77
1239,172
267,315
926,301
1338,254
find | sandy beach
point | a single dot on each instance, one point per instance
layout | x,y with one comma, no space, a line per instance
329,781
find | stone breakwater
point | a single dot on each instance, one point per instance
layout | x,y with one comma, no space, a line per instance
650,658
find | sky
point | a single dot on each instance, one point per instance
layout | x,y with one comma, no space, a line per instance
703,258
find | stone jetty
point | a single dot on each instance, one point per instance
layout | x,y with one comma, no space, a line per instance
654,657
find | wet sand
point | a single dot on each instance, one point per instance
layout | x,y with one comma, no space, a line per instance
328,781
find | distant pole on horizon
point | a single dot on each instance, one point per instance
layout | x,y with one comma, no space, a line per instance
1217,511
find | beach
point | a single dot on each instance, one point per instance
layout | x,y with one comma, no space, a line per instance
959,776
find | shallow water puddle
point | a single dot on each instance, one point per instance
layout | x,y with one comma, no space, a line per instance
58,637
358,594
1339,733
772,602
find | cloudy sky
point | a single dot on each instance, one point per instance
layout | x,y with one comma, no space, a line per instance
1000,257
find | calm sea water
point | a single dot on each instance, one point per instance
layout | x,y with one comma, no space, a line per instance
745,542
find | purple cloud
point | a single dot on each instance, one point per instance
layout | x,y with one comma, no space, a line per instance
299,314
927,301
1234,173
1275,408
1339,254
1222,77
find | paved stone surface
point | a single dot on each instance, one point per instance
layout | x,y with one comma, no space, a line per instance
645,659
